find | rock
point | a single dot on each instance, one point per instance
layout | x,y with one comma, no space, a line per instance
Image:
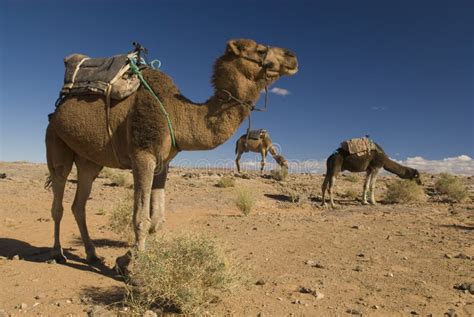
16,257
260,282
466,287
463,256
150,313
353,311
448,256
3,175
40,296
414,313
375,307
357,227
450,313
358,268
314,292
389,274
23,306
314,264
279,298
405,258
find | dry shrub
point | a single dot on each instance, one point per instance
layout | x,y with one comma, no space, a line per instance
452,187
351,193
279,174
118,177
120,219
179,274
404,191
245,201
226,181
351,178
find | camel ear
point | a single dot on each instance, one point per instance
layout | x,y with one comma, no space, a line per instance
234,47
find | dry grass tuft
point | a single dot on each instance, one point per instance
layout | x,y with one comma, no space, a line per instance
404,191
351,178
279,174
120,219
226,181
179,274
452,187
245,201
351,193
118,177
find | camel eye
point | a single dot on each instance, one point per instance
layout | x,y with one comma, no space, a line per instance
261,52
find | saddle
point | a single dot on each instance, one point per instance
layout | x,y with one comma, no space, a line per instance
256,134
109,76
358,146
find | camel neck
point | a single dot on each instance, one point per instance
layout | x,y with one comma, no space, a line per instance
395,168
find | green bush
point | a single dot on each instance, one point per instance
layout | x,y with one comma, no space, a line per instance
279,174
404,191
452,187
351,193
178,274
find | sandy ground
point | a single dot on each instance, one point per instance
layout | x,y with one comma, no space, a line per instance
384,260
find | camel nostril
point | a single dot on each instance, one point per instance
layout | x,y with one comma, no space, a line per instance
269,65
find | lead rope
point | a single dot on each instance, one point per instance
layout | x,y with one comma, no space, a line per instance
136,71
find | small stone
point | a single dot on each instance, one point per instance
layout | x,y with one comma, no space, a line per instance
389,274
448,256
68,301
260,282
39,296
279,298
36,304
23,306
356,227
51,261
358,268
463,256
414,313
150,313
254,228
353,311
405,258
375,307
450,313
314,264
360,255
3,175
16,257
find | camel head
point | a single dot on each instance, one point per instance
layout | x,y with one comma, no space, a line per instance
414,175
248,65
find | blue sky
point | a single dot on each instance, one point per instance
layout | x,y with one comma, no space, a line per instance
401,71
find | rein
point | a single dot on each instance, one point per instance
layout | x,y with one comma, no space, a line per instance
252,107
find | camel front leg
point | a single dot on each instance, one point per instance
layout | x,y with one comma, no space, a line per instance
157,209
324,186
143,167
366,187
373,179
237,161
332,182
264,154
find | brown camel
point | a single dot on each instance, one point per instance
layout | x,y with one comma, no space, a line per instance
371,163
77,133
262,145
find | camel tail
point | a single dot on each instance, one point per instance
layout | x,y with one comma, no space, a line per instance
48,183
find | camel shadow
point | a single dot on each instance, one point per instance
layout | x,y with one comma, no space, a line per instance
101,243
10,248
279,197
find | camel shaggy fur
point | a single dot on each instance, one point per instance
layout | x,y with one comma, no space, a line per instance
371,163
263,145
77,133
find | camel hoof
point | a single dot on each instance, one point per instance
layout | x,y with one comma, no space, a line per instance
365,203
373,203
59,258
94,259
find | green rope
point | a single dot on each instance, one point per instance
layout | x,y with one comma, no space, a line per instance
137,72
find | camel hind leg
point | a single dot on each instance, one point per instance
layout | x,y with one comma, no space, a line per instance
237,161
324,187
60,159
87,172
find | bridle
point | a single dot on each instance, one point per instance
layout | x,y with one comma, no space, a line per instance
252,107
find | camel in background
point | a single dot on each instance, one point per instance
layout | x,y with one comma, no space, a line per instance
263,144
141,140
371,163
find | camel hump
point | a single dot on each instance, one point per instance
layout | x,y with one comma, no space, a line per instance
359,146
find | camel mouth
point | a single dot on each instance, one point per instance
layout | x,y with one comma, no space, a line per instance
291,71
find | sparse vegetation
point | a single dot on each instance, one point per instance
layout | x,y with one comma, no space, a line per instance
404,191
118,177
451,187
351,193
226,181
279,174
245,201
178,274
121,218
351,178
